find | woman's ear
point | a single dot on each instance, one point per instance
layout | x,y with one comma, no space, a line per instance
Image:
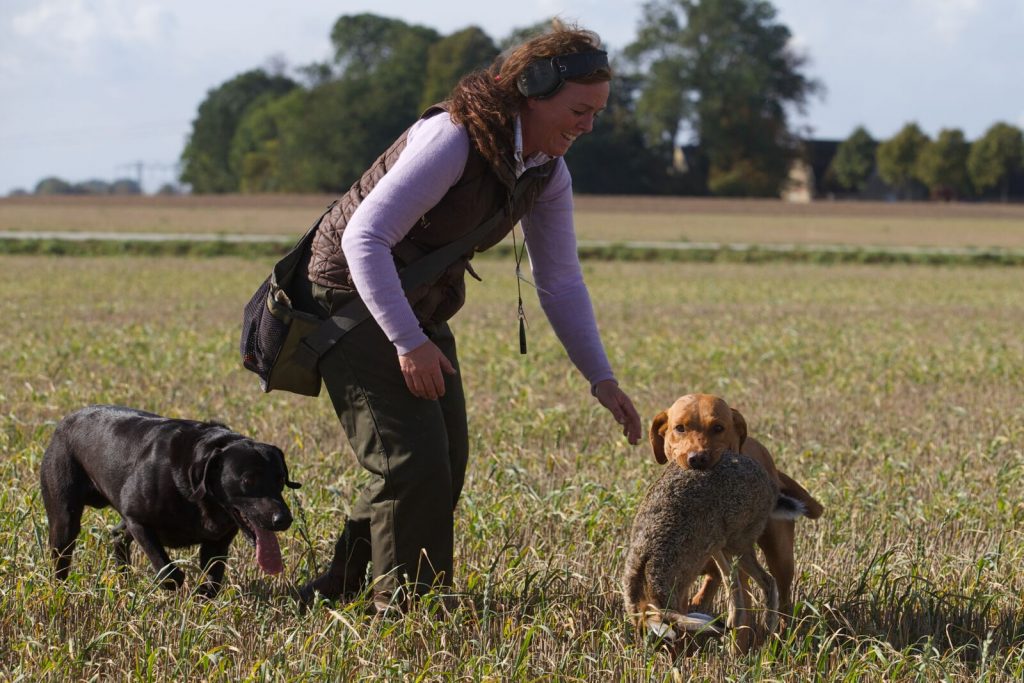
657,436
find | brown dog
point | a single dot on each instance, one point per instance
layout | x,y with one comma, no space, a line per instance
695,432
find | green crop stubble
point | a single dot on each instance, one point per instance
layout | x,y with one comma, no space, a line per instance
892,393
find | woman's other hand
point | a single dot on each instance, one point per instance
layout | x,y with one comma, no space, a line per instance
618,404
423,367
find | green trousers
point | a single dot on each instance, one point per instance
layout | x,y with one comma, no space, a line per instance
416,451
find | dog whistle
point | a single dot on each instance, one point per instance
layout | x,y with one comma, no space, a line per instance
522,336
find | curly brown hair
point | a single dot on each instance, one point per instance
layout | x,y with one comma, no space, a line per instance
486,102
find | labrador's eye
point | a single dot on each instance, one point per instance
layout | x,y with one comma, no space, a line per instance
718,429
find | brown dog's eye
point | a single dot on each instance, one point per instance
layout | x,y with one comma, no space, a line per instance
718,429
680,429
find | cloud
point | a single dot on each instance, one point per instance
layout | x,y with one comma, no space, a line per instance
947,19
80,26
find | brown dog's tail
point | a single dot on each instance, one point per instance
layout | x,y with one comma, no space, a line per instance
788,507
812,508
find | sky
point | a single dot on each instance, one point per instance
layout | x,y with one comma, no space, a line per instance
109,88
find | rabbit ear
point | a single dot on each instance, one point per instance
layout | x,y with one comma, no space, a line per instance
658,427
740,425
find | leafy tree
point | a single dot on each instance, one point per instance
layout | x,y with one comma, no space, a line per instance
452,57
125,186
93,186
897,157
855,160
322,139
205,162
254,147
319,140
995,156
366,44
53,185
942,165
727,71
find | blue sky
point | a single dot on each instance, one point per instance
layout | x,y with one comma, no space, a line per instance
89,88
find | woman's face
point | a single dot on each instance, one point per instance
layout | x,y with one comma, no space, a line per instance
551,125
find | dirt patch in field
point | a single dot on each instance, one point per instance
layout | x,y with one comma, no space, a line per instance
776,207
605,218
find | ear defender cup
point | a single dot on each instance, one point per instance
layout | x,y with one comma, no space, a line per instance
545,77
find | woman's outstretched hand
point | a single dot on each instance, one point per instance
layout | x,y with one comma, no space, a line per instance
618,404
422,368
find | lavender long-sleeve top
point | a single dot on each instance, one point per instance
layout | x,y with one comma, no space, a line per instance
431,163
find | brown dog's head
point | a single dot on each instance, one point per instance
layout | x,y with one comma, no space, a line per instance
696,431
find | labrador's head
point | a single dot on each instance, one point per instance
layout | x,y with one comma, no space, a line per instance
247,478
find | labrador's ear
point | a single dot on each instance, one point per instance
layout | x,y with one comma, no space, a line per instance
740,425
199,473
287,480
657,436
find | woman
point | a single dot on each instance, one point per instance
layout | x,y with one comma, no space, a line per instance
497,145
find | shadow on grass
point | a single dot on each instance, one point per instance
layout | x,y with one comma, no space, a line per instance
911,615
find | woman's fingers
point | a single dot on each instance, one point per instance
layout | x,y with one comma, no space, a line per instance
423,369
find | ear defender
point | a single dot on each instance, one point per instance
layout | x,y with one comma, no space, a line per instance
545,77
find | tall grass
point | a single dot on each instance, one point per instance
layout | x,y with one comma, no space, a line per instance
892,393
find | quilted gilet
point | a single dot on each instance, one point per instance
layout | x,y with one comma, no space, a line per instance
479,194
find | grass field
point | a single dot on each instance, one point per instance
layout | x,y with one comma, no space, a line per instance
894,394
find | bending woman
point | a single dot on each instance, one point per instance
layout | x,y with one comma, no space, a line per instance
495,146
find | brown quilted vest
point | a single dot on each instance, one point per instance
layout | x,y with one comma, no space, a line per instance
480,193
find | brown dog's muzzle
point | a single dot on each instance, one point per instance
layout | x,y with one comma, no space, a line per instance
699,460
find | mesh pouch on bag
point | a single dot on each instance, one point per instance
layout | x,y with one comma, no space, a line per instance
260,333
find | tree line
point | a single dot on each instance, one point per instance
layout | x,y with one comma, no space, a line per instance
720,71
53,185
948,167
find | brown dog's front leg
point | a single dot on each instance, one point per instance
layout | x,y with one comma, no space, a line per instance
170,577
703,600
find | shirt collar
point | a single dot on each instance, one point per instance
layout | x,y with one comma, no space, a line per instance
536,159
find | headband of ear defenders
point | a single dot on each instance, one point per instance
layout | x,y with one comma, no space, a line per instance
544,77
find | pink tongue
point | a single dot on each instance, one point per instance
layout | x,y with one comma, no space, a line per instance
268,552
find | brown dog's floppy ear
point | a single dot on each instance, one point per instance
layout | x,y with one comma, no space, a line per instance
740,425
658,427
197,474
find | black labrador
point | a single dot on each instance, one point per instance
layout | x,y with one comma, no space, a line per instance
175,482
